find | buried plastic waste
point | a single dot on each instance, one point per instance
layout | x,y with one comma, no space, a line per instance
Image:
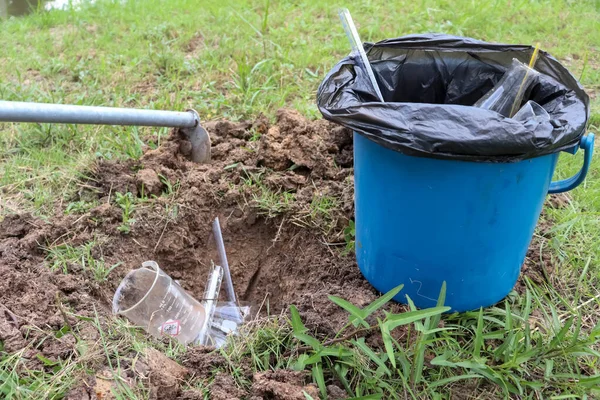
149,298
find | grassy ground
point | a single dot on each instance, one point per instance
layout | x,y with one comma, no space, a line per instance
242,58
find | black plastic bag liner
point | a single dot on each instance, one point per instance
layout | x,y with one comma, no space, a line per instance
430,82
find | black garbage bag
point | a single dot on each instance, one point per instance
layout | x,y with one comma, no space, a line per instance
430,83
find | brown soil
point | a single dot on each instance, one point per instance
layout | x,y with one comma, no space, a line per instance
278,256
538,263
282,384
165,375
30,292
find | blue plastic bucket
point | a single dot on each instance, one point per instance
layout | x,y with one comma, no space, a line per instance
422,221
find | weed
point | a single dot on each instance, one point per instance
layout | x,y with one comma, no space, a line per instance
79,207
322,212
322,205
64,257
349,236
171,188
247,78
127,203
499,346
256,135
19,382
268,202
272,203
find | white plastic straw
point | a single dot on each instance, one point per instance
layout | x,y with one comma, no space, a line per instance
358,48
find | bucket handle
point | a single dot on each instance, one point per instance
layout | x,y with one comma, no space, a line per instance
587,144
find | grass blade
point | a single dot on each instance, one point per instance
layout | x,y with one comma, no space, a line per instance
396,320
317,372
355,312
308,340
387,341
592,381
297,324
435,320
419,359
453,379
371,354
478,340
381,301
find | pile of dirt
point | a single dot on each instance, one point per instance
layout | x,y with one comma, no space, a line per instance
32,296
275,260
283,194
280,384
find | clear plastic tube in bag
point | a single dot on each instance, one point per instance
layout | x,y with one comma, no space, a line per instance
358,49
510,90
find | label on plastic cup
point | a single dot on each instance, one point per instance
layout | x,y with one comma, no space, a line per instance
171,327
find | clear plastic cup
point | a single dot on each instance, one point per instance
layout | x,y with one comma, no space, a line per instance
532,111
148,297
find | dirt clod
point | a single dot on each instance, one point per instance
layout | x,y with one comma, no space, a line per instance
148,182
282,385
224,387
203,361
165,375
87,389
336,393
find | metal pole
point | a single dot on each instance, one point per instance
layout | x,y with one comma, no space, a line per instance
13,111
188,122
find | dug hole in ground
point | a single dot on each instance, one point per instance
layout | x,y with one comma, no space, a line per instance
284,195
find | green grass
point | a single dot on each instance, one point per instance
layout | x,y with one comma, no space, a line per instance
229,60
27,384
523,347
64,257
127,203
238,59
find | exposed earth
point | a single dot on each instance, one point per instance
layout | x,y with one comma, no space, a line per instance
284,196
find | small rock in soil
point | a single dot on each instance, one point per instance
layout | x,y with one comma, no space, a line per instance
336,393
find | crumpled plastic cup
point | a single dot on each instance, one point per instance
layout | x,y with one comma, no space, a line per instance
226,320
532,111
149,298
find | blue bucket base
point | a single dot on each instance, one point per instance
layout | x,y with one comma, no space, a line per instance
422,221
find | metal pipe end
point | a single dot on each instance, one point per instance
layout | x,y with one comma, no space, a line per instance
199,140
